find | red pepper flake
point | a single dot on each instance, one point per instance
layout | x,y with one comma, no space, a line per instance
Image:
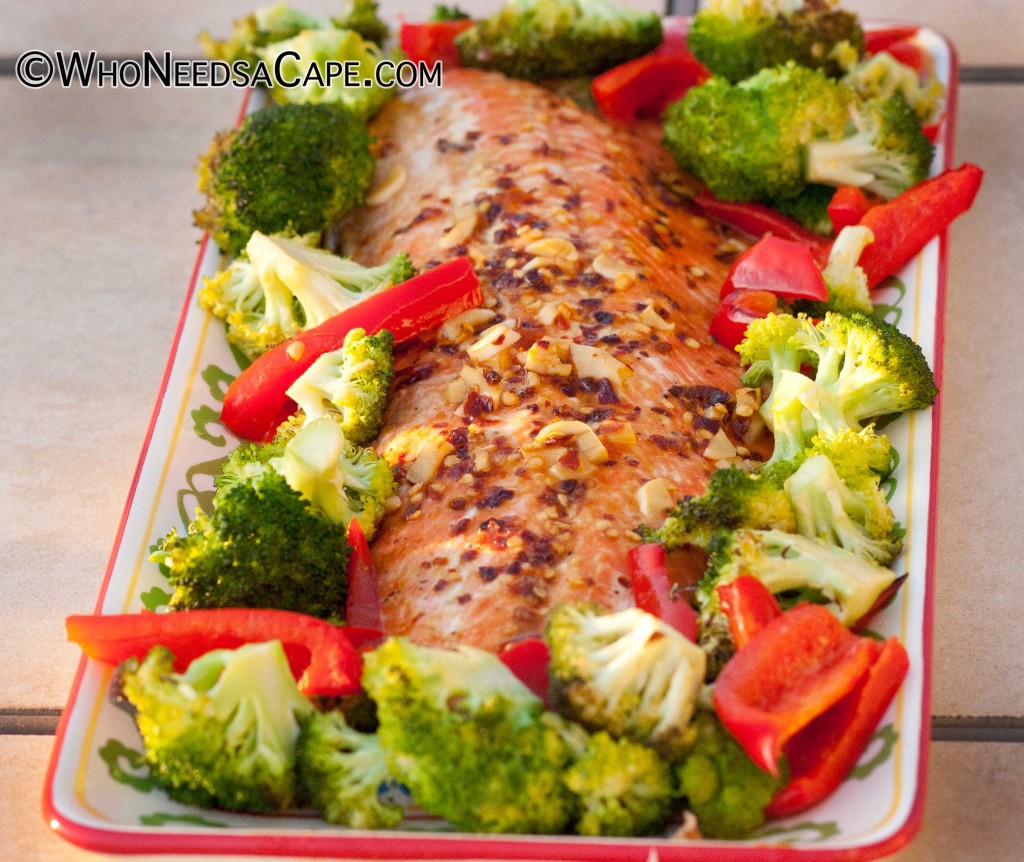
495,497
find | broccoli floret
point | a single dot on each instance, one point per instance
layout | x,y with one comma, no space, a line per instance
809,208
725,789
224,732
296,58
624,788
883,75
350,385
873,368
338,478
734,498
284,284
342,771
258,29
783,562
887,153
736,38
627,673
537,39
286,167
363,17
448,13
468,739
747,141
865,368
767,137
857,519
263,546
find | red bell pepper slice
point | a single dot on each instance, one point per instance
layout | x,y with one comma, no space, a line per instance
904,225
362,606
757,220
323,657
652,589
825,751
737,311
879,40
674,32
748,605
783,267
790,671
432,41
528,660
646,86
908,53
257,400
848,206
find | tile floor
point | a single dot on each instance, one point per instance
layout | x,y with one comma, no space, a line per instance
98,188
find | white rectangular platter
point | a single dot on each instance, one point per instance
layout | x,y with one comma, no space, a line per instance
96,796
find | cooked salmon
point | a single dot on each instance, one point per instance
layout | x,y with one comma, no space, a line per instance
525,434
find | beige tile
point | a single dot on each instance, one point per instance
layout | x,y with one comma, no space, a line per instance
985,32
98,246
100,25
974,806
979,591
973,811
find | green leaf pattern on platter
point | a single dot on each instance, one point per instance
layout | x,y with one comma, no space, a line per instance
163,818
885,739
113,753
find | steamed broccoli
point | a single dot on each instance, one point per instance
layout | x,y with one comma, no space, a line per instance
809,208
537,39
286,167
857,519
284,284
224,732
258,29
468,738
725,789
339,479
350,385
342,771
448,13
768,137
807,495
363,17
883,75
627,673
864,368
623,788
296,58
886,154
736,38
785,562
263,546
733,498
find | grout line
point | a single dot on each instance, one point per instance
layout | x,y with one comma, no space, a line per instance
945,728
29,722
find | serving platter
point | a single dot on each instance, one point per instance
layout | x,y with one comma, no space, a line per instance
97,796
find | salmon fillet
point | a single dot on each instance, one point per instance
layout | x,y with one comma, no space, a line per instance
521,436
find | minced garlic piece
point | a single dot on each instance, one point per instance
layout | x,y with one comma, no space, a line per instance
597,363
462,325
388,187
651,318
654,498
720,447
545,357
493,341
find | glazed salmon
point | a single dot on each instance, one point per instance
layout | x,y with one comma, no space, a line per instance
523,434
